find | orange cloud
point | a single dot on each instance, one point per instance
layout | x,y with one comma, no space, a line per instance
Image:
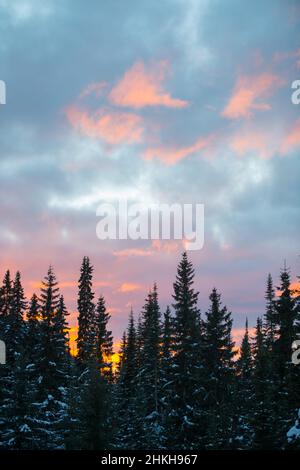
171,155
129,287
292,140
246,93
237,336
143,87
294,287
112,127
66,284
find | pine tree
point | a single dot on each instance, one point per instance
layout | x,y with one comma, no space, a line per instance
93,402
149,376
86,317
244,367
264,406
13,380
6,379
104,340
219,365
270,317
183,420
129,426
286,309
50,402
6,292
166,384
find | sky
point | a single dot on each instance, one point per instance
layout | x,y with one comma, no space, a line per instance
177,101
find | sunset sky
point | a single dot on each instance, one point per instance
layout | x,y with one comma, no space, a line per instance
184,101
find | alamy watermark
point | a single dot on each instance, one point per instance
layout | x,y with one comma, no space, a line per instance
296,352
295,97
2,92
136,221
2,352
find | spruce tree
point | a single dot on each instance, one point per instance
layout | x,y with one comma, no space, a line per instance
219,366
104,340
149,375
50,402
166,384
86,314
265,409
184,415
244,368
129,426
287,308
270,317
13,406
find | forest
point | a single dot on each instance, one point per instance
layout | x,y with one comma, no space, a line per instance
180,383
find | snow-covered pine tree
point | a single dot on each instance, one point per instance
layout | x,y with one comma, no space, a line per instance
5,372
265,409
149,374
219,365
32,344
50,402
184,414
92,408
166,383
244,368
287,308
13,378
127,419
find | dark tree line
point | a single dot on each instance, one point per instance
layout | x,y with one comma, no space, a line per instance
178,384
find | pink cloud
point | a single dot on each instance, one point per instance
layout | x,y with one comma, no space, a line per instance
141,86
128,252
111,126
292,139
129,287
252,141
247,93
157,246
171,155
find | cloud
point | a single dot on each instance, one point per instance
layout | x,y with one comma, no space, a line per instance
292,139
282,56
67,284
94,87
247,91
252,141
171,155
25,10
129,287
238,335
142,87
157,246
111,126
128,252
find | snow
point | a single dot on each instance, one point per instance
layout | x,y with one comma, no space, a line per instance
294,432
